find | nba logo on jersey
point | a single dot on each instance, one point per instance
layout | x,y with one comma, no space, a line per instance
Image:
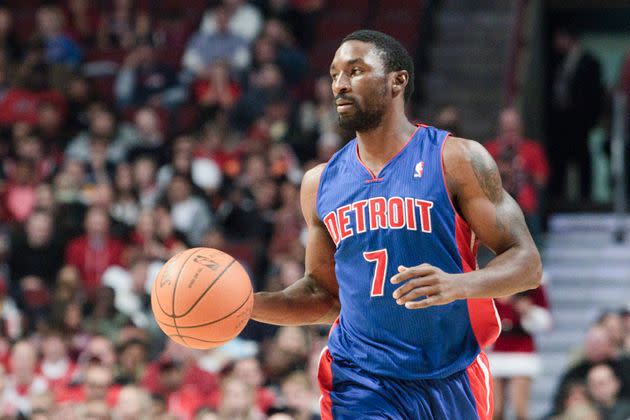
419,169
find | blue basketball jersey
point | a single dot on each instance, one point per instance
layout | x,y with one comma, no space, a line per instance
400,216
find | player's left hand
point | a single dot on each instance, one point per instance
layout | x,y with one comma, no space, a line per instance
439,287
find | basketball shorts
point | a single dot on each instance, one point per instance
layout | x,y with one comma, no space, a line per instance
348,392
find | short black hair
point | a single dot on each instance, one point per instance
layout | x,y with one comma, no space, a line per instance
395,56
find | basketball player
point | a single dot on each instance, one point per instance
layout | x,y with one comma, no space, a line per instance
394,219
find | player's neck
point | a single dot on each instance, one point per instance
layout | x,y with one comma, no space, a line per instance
379,145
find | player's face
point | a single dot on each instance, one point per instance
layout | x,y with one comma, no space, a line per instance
360,86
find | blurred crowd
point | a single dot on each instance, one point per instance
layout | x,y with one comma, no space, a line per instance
128,132
596,385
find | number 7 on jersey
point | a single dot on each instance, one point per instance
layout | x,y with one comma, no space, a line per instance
380,271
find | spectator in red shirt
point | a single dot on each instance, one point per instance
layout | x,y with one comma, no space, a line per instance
523,165
98,385
215,90
19,197
22,103
95,251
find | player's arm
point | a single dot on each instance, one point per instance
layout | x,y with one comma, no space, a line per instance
313,299
475,186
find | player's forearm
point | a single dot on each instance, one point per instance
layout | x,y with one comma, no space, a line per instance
303,303
515,270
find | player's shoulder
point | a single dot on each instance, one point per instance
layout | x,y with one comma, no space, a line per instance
458,151
466,163
312,176
335,164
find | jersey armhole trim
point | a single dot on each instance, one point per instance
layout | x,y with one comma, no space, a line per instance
319,187
448,194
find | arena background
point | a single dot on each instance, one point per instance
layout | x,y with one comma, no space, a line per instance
130,130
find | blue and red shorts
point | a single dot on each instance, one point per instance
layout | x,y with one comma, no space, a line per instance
348,392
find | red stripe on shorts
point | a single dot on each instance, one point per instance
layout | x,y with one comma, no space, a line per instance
481,386
324,377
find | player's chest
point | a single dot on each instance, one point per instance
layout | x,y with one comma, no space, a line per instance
354,209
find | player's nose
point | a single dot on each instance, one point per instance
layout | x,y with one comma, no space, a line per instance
341,84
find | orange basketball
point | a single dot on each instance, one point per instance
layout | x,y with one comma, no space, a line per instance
202,298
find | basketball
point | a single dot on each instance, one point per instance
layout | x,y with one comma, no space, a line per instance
202,298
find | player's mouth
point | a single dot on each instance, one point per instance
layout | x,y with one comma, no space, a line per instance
344,106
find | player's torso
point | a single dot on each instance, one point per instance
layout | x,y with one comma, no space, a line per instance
401,216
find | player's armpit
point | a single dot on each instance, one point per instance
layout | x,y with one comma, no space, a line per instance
475,186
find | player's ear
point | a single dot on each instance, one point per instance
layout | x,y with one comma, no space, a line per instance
401,78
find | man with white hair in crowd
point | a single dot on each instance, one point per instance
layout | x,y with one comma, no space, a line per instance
23,382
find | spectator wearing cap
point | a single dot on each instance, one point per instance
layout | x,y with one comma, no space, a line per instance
93,252
603,387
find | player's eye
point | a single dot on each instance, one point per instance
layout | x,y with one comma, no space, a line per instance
355,71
